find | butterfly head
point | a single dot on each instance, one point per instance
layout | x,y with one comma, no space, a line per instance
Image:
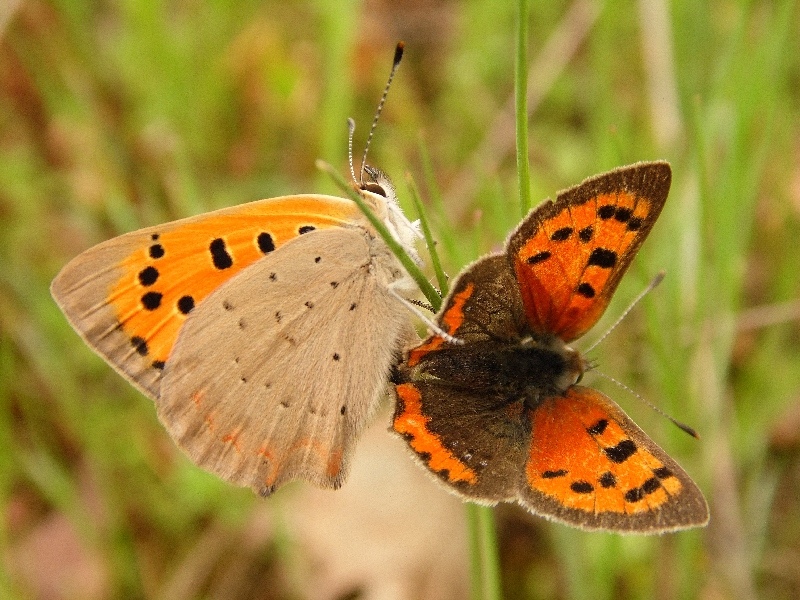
575,365
380,191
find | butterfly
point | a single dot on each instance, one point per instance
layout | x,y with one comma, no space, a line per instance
264,332
494,409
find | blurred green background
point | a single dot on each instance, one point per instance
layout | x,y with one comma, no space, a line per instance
117,115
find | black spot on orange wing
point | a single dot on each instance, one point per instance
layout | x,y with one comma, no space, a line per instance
265,242
623,214
148,276
540,257
140,345
603,258
586,234
151,300
185,304
607,480
581,487
621,452
219,254
554,474
607,211
562,234
598,428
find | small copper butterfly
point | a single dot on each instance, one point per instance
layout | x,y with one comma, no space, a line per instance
500,416
263,332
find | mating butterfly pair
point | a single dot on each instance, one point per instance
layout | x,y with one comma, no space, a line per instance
265,334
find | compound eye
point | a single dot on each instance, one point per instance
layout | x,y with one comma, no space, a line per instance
374,188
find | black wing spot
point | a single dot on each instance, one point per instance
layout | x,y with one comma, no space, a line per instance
537,258
635,224
603,258
227,305
586,234
156,251
336,356
152,300
586,290
598,428
343,410
317,259
242,323
638,493
306,229
353,306
621,452
554,474
278,317
265,242
607,480
663,473
634,495
219,254
581,487
651,485
284,404
309,304
154,236
623,215
148,276
606,211
158,364
186,304
140,344
334,284
561,235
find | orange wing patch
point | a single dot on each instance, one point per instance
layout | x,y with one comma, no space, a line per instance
181,266
412,424
450,321
571,265
582,457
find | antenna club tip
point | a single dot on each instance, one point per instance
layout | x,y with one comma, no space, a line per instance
398,52
690,430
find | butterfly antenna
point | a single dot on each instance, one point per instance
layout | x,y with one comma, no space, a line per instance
421,304
351,129
398,56
656,280
433,327
682,426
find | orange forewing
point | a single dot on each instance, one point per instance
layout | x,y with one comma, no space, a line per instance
186,268
570,254
450,322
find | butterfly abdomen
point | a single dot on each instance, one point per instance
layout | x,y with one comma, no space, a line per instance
517,370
